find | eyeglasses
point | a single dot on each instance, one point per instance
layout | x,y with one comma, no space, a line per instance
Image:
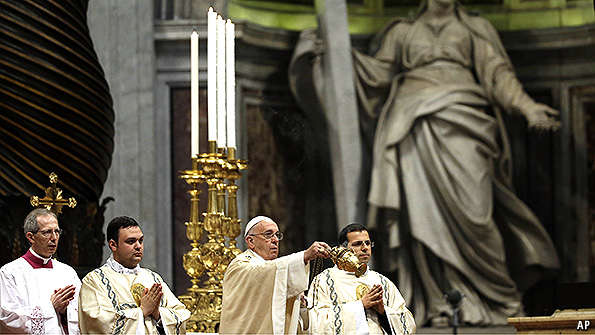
269,235
358,244
46,233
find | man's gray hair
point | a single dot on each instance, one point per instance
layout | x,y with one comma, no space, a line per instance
31,219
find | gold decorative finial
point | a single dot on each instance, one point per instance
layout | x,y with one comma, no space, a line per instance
53,200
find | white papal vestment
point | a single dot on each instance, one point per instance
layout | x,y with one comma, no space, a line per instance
261,297
335,307
25,292
107,305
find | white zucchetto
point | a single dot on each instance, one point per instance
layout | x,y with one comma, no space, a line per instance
255,221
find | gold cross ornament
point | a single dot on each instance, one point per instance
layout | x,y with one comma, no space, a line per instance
53,200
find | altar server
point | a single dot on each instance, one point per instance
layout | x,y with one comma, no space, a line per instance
341,303
38,294
121,297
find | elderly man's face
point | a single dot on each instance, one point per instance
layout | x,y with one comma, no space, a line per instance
268,249
45,240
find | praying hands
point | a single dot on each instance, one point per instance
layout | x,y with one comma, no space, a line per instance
373,299
149,302
61,298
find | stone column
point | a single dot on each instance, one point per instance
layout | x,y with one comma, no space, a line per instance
340,107
122,32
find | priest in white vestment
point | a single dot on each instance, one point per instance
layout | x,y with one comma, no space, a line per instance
341,303
121,297
261,290
38,294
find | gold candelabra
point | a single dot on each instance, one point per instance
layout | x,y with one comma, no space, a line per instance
212,240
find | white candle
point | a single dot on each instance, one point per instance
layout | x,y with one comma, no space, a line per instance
221,117
230,81
194,94
212,73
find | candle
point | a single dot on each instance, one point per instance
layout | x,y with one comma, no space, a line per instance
212,74
221,117
194,94
230,82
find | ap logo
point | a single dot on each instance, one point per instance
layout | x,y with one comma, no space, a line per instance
583,325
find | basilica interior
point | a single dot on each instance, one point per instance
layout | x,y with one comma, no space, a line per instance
134,126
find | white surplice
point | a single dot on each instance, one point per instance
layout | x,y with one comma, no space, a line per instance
25,292
262,297
336,309
108,306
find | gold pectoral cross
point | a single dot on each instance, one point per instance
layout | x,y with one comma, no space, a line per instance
361,290
53,200
137,291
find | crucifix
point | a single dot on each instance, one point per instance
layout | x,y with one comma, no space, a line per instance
53,200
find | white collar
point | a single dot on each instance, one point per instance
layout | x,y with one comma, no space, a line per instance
353,273
257,257
119,268
45,260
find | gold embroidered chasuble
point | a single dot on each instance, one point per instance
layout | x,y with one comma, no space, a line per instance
107,306
261,297
336,307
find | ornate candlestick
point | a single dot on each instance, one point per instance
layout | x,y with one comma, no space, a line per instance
206,263
191,260
231,227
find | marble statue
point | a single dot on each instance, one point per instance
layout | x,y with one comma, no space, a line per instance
440,179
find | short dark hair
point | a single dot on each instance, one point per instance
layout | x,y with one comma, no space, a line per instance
349,229
114,226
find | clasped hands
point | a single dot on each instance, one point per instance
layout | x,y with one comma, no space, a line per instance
374,300
149,302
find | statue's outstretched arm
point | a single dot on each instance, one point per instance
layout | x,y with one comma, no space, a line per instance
497,76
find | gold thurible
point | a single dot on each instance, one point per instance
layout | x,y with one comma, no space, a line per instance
211,252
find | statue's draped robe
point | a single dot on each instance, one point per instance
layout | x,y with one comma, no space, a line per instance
108,307
25,292
440,179
439,156
335,308
262,297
